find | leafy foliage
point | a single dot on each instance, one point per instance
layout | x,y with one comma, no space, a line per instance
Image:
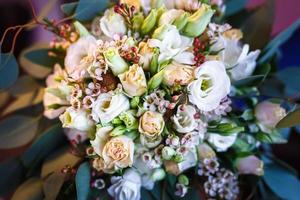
9,70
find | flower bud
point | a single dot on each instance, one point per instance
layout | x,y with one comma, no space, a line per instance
196,23
250,165
134,102
116,121
115,62
178,157
129,120
120,130
137,21
183,179
168,153
149,22
155,81
268,114
205,151
158,174
81,29
181,21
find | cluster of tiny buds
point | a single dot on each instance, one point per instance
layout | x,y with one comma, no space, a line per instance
199,46
68,170
131,55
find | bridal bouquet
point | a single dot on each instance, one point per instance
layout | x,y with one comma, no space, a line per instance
159,100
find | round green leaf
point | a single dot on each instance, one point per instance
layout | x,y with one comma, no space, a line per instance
13,136
23,85
282,182
9,70
83,181
89,9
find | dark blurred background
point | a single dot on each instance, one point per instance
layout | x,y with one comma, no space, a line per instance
14,12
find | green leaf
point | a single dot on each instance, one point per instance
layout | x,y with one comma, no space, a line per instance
36,62
291,119
29,190
11,173
9,70
13,136
249,80
82,180
234,6
280,39
23,85
58,160
68,8
282,181
89,9
49,141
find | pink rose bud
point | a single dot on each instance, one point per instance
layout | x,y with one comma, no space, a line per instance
250,165
268,115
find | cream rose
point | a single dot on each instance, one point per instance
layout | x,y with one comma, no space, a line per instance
268,114
184,120
116,152
112,24
169,16
134,81
151,125
80,55
108,106
212,84
172,45
176,73
77,119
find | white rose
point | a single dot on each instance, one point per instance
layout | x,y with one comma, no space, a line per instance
169,16
126,187
237,58
212,84
77,119
112,24
108,106
134,81
184,120
172,45
80,55
221,143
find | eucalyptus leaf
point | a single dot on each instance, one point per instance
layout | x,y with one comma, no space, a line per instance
9,70
280,39
69,8
11,173
281,181
89,9
82,181
52,185
234,6
291,119
58,160
49,141
24,84
290,77
4,97
13,136
29,190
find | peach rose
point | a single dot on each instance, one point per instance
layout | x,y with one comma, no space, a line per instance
176,73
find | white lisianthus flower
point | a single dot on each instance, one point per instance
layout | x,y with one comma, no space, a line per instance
184,120
112,24
212,84
126,187
169,16
238,60
221,143
172,45
108,106
134,81
77,119
80,55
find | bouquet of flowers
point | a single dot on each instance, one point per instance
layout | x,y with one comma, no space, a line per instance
159,100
